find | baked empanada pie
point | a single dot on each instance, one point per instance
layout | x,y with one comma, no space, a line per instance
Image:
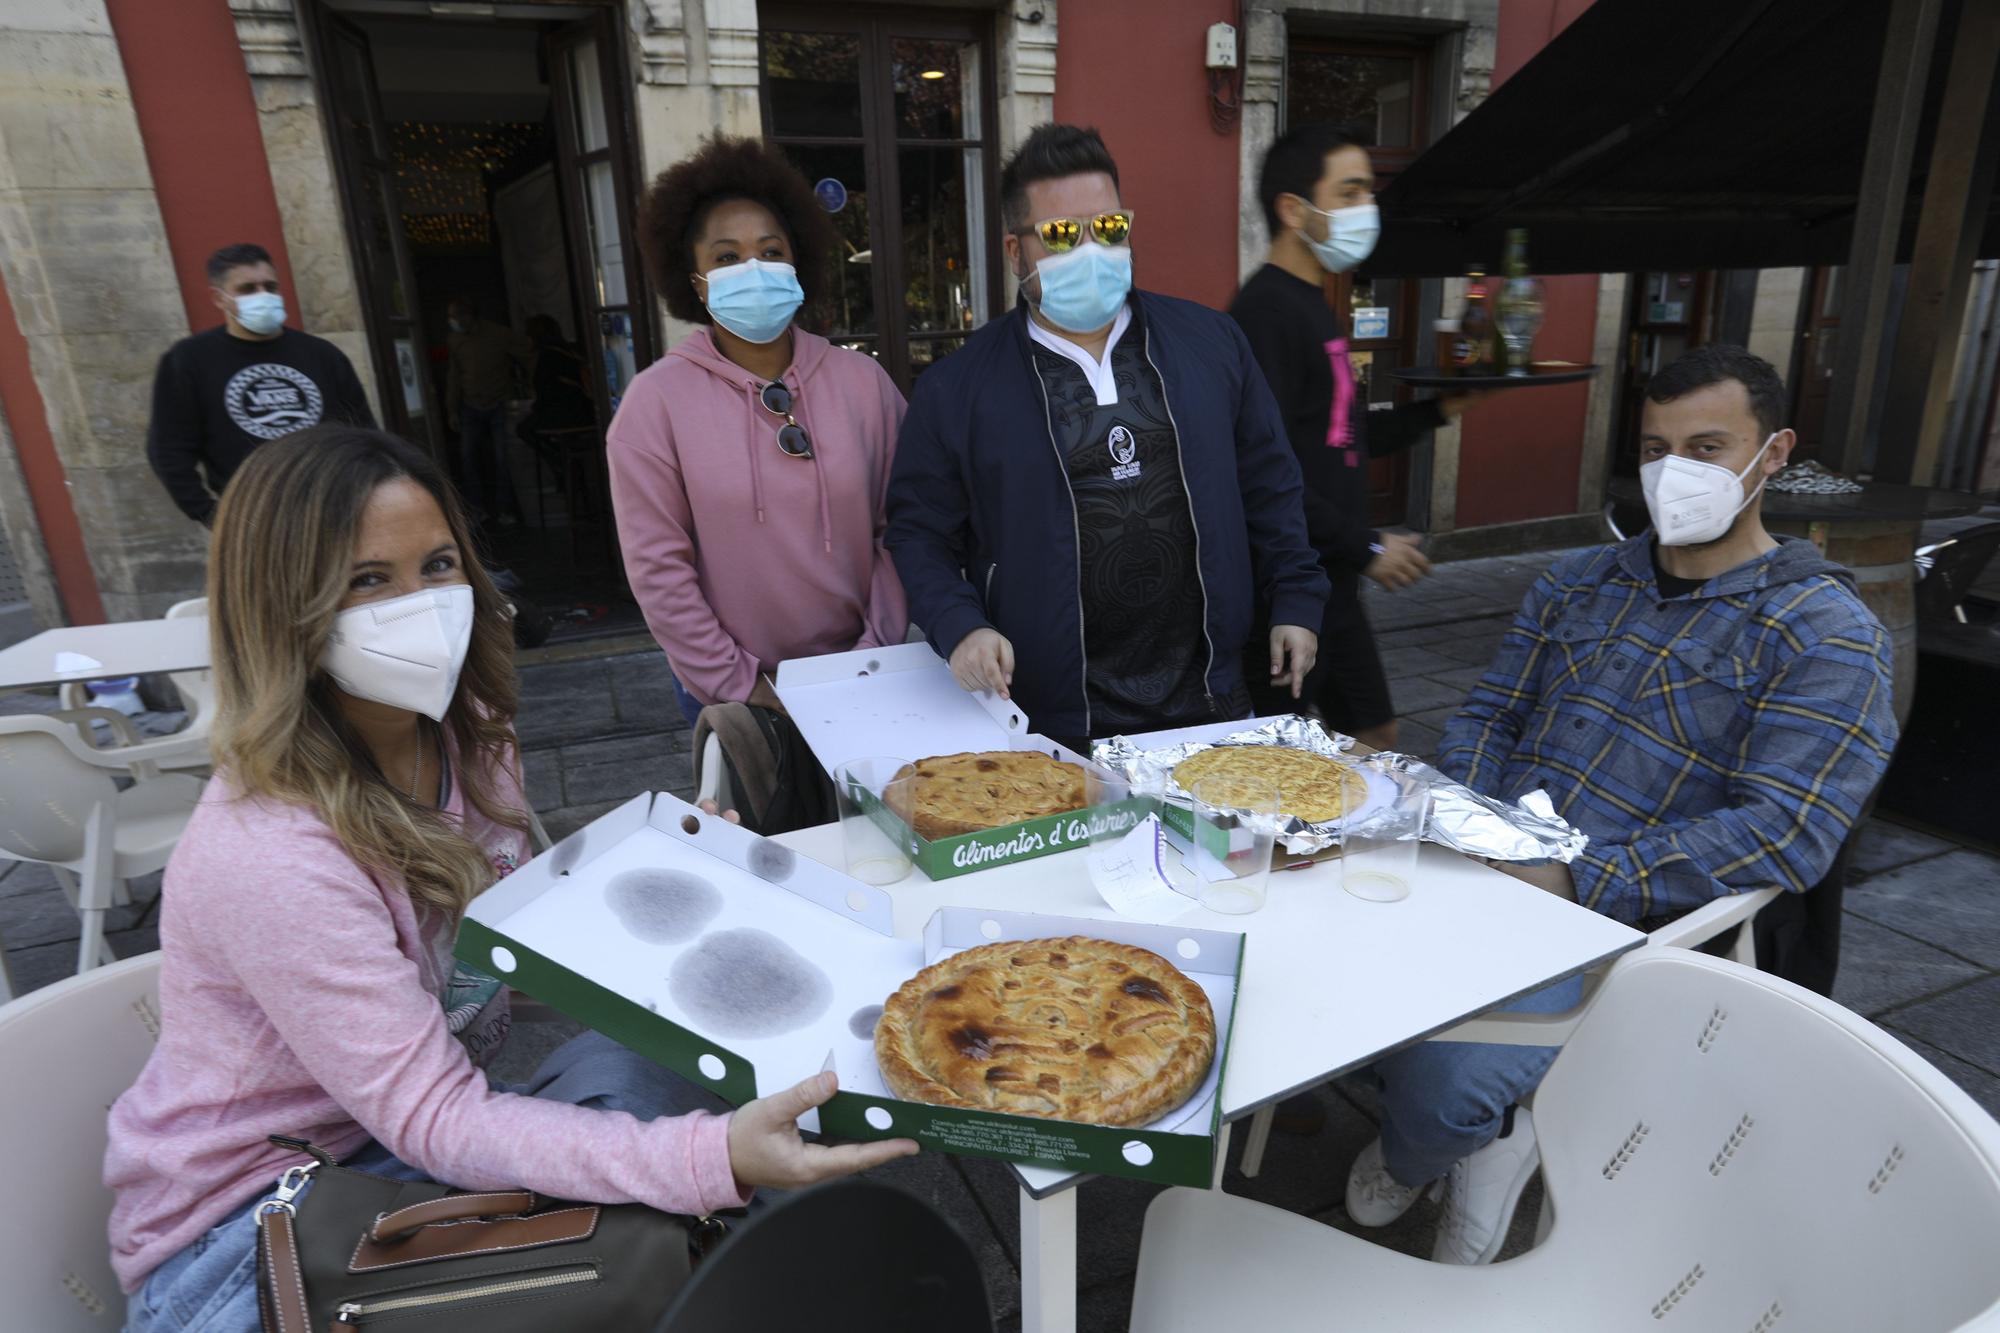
1072,1029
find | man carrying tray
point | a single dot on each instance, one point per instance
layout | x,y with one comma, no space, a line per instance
1710,703
1089,498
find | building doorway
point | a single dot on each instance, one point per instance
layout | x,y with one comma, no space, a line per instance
486,160
1812,361
1380,91
1665,315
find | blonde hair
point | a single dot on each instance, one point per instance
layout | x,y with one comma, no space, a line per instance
279,564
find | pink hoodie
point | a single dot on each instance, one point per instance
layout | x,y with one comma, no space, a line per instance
740,555
301,995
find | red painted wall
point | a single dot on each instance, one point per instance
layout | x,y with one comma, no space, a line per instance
1135,69
1520,452
198,119
42,469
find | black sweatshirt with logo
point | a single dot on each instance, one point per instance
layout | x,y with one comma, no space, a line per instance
216,397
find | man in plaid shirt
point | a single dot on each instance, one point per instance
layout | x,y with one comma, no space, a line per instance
1710,703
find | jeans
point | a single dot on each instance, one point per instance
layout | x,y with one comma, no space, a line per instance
211,1286
690,706
482,458
1443,1100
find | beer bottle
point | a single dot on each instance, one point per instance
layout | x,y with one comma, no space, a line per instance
1476,333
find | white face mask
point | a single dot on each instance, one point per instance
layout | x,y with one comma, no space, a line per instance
405,652
1350,236
1692,502
261,312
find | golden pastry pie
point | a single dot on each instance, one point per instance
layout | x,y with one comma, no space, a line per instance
1073,1029
966,793
1310,786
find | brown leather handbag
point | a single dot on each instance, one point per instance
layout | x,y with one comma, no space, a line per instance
362,1250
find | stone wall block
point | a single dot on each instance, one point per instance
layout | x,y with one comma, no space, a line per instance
158,555
66,115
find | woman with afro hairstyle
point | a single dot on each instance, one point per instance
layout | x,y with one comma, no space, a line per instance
749,465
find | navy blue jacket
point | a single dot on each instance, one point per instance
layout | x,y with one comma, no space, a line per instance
983,529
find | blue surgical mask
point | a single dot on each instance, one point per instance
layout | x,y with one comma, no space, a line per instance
756,299
1084,290
1350,236
261,312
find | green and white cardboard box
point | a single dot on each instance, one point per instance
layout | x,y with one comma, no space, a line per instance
902,701
746,967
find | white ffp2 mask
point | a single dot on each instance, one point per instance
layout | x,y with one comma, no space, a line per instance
405,652
1692,502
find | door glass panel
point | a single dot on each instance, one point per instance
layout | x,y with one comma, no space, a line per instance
926,351
943,217
607,244
814,83
936,87
848,303
614,331
1377,92
584,78
1829,302
354,72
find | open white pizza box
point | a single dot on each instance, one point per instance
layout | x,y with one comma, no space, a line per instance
746,967
902,701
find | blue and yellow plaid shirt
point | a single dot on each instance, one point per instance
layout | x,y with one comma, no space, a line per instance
1711,743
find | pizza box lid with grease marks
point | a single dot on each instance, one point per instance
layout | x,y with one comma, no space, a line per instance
745,967
902,701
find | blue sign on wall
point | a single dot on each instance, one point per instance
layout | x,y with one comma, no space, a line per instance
832,194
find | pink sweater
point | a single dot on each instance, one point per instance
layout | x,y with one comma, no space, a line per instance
300,995
740,555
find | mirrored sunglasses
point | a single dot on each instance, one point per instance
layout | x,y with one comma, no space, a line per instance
1061,235
792,437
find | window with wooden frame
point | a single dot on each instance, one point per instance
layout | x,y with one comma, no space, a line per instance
890,112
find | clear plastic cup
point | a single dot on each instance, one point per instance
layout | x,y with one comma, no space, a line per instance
1234,823
1378,862
872,834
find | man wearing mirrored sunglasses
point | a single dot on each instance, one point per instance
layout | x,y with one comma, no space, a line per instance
1090,497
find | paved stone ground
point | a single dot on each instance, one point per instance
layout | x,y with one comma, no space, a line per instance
1921,954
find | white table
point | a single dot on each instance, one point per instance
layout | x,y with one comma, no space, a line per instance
124,648
1330,983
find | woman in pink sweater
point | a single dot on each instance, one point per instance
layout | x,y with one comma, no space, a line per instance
367,788
749,465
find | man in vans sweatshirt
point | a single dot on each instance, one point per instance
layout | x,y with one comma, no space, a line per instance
1090,497
1710,703
220,393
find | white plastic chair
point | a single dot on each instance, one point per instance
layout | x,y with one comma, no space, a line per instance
1724,1152
68,1050
186,749
711,775
59,806
1511,1029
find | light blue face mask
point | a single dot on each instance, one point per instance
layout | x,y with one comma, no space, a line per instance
262,313
1083,290
756,299
1350,236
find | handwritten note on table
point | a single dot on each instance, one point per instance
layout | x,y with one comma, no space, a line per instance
1130,876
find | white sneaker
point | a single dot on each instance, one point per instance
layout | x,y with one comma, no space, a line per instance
1480,1193
1374,1197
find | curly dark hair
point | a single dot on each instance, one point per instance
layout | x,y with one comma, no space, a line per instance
721,169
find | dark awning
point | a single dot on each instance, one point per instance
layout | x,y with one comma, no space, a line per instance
1667,134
